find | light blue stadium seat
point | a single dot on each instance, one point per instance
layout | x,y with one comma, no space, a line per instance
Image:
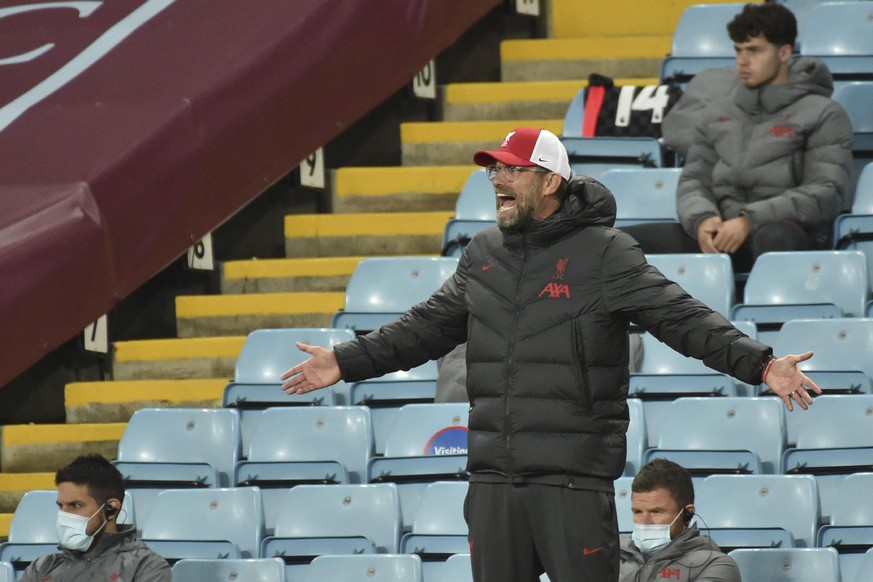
788,564
266,355
849,54
637,437
737,435
425,443
855,97
623,504
366,568
177,447
707,277
7,572
334,519
382,288
440,529
855,231
803,285
32,531
205,523
700,41
457,569
865,566
833,439
759,510
592,156
850,530
643,195
384,396
243,570
841,346
475,210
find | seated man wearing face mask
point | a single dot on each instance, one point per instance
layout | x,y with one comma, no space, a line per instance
664,546
95,547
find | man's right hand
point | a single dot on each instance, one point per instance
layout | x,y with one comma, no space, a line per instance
320,370
706,232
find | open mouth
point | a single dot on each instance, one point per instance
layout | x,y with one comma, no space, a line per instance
505,202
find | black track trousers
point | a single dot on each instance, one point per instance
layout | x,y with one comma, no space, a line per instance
517,532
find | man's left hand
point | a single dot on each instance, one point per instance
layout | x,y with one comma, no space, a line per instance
732,234
789,383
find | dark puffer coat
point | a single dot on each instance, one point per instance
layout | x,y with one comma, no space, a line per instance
545,313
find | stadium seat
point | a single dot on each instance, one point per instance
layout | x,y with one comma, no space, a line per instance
7,572
788,564
865,566
855,97
849,54
457,569
475,210
439,530
312,445
382,288
643,195
854,231
850,530
266,355
425,443
841,347
833,440
803,285
700,41
592,156
759,510
623,504
368,567
707,277
334,519
205,523
32,531
386,394
637,437
244,570
177,447
736,435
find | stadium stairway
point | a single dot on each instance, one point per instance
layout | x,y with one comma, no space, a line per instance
376,211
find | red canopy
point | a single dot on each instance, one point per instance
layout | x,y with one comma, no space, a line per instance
131,128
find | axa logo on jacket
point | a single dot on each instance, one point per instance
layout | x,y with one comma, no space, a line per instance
554,290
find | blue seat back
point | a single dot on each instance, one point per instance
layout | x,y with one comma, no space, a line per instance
428,430
788,564
839,344
476,200
643,195
7,572
441,511
707,277
457,568
807,277
323,511
854,504
854,20
233,514
701,31
592,156
247,570
369,567
836,421
315,433
183,435
761,501
637,439
623,500
865,566
394,284
267,353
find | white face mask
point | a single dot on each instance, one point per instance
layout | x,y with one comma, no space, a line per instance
73,531
650,538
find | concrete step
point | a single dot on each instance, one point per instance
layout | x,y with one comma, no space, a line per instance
575,58
287,275
28,448
222,315
116,401
398,189
516,100
176,359
390,233
5,521
14,485
454,142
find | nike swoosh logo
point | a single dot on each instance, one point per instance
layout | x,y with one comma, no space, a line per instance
542,159
587,552
486,267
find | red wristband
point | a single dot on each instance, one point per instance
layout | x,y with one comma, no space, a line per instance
767,369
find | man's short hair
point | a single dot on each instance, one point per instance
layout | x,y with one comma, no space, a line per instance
774,22
100,476
663,473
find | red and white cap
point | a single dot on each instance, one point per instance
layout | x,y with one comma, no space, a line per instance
525,146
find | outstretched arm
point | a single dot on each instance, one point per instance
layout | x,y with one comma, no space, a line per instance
786,381
319,371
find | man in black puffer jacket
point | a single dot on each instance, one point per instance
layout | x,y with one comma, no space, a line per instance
543,302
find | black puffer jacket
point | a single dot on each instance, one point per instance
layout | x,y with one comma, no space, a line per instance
545,312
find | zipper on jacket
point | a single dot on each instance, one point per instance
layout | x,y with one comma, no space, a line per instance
512,338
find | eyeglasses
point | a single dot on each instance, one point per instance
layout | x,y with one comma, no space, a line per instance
511,173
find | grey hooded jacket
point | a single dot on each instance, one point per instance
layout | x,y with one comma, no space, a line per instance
691,557
116,557
775,153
